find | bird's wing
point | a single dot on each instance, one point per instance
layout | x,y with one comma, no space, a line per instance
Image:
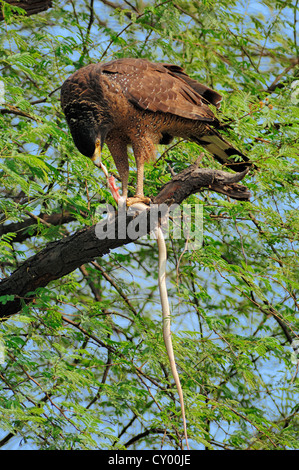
209,96
157,88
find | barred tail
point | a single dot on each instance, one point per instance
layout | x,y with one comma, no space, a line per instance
223,151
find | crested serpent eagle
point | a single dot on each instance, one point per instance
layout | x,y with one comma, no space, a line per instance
135,102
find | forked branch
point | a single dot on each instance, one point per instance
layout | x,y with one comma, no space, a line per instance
61,257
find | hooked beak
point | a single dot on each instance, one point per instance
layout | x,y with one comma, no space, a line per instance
96,158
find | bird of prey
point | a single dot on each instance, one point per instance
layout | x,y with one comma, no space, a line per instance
134,102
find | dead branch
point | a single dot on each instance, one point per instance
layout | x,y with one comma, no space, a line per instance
61,257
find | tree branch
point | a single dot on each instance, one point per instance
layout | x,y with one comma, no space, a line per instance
61,257
30,6
21,229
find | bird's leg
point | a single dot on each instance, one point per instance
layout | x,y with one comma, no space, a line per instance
140,176
139,196
122,166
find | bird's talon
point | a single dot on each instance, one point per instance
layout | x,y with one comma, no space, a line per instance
138,199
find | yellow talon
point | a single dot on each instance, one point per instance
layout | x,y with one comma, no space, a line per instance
138,199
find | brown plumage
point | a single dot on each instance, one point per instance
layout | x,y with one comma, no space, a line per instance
139,103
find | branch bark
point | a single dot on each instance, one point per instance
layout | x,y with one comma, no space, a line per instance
21,229
61,257
30,6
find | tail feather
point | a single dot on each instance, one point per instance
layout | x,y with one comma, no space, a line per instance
223,151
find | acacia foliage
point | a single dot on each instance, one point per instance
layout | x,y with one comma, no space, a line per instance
84,365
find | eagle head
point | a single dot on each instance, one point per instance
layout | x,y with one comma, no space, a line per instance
88,126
